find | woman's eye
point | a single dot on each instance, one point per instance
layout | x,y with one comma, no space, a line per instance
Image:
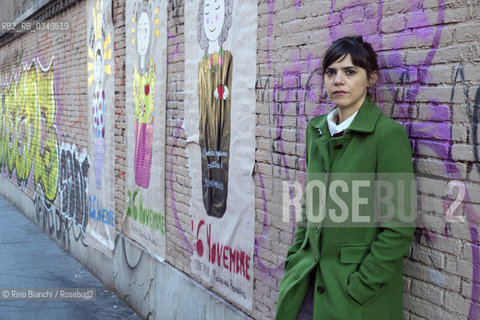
351,72
330,73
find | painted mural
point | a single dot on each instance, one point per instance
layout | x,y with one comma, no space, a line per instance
29,140
52,173
220,127
101,102
146,59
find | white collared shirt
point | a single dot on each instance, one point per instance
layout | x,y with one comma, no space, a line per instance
332,123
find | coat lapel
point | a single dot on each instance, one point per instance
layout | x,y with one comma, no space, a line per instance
322,139
366,117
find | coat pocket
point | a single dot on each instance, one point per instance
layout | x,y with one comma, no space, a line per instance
290,257
353,253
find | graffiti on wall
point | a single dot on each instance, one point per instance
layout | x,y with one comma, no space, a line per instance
29,141
473,111
31,155
73,185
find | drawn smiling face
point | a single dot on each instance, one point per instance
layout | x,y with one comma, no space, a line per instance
143,33
213,18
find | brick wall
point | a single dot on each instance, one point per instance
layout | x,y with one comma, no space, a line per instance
429,57
118,19
428,54
177,184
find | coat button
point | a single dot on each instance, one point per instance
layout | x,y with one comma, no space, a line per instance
339,146
320,289
317,228
316,258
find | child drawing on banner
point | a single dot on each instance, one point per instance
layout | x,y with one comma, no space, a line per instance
214,99
143,95
99,53
98,113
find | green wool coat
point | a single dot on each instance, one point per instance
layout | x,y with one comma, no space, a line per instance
359,270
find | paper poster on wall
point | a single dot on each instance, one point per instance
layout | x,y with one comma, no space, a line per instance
220,71
101,119
146,63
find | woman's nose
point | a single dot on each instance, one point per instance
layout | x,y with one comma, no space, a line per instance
338,78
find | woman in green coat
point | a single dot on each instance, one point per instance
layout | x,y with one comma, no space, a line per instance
350,268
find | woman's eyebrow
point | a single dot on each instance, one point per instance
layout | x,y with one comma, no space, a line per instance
342,68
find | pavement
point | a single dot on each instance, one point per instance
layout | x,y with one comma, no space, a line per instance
32,266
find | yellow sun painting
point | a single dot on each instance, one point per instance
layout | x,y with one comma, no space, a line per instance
100,51
100,56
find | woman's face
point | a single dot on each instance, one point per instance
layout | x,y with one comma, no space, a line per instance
347,84
143,33
213,18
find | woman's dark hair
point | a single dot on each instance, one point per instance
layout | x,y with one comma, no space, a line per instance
361,52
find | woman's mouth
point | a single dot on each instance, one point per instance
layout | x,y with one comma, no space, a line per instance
339,92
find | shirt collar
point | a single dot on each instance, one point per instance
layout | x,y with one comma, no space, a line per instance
332,125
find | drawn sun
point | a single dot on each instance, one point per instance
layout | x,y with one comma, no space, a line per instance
100,58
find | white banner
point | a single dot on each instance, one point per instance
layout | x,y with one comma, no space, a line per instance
220,72
101,118
146,65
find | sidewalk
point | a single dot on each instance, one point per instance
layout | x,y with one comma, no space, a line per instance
29,259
